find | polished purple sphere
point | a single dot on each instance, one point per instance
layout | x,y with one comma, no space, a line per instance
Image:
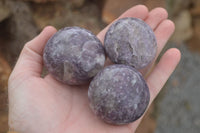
74,55
118,94
130,41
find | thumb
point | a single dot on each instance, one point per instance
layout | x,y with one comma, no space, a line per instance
30,61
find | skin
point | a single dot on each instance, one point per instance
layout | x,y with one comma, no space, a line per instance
38,105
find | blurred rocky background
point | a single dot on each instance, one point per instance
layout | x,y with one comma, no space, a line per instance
177,107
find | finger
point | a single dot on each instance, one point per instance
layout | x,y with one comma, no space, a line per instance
30,59
38,43
139,11
159,76
156,16
163,32
162,71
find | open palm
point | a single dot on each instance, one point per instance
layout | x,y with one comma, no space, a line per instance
44,105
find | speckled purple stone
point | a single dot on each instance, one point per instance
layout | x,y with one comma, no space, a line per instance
74,55
130,41
119,94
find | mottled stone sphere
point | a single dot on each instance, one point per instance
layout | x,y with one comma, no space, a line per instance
130,41
118,94
74,55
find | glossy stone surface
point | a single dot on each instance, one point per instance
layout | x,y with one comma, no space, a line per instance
74,55
130,41
118,94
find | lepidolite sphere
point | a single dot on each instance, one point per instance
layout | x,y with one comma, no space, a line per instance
118,94
130,41
74,55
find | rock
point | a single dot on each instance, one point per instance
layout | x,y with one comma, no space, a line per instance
50,14
61,14
77,3
196,22
3,122
114,8
130,41
4,75
118,94
194,42
5,71
155,3
183,31
20,28
4,11
176,6
74,55
41,1
196,26
195,10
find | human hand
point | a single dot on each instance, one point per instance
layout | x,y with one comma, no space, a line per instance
44,105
